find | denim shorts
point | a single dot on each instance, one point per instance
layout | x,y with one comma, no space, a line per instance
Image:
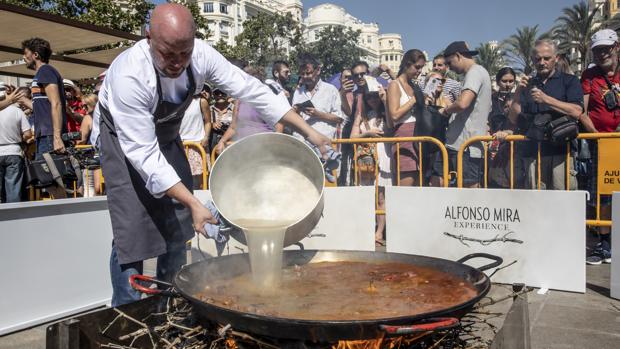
472,167
45,144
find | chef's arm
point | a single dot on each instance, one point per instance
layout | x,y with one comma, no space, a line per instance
314,137
200,214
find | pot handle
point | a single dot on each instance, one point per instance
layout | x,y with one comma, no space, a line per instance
136,279
431,324
498,260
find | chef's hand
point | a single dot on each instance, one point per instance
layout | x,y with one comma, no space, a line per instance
201,216
322,142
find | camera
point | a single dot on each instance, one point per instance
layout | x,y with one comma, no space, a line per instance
71,136
372,83
611,99
431,86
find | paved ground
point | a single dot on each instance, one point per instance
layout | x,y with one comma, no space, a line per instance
557,319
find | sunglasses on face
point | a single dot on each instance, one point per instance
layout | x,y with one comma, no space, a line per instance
359,75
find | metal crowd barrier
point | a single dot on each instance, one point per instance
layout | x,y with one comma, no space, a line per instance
203,155
517,138
397,140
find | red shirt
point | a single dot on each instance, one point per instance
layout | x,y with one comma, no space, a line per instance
78,107
593,84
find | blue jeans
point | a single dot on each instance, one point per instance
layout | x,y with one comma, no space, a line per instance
45,144
11,176
168,265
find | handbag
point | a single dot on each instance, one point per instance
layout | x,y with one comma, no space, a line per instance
429,122
538,128
53,168
366,156
563,129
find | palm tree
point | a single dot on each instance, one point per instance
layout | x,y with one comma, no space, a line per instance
490,57
574,29
519,48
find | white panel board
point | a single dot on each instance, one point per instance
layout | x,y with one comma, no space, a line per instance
348,223
615,245
55,260
550,224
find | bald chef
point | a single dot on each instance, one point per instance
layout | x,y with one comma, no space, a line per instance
144,96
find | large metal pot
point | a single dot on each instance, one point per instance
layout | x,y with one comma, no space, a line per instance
269,176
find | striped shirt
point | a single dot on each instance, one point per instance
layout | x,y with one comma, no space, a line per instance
451,89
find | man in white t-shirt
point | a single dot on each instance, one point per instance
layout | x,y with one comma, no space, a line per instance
468,115
14,129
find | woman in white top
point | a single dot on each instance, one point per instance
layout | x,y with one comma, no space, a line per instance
196,127
372,122
401,102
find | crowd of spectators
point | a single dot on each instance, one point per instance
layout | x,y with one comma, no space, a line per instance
361,102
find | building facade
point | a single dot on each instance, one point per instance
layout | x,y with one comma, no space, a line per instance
377,48
226,17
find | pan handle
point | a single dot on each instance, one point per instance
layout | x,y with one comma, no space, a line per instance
431,324
135,281
498,260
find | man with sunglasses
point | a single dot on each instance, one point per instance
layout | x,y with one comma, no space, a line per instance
352,98
601,88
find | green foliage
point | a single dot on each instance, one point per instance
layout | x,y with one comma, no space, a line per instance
267,37
107,13
229,51
99,12
519,48
490,57
336,48
574,29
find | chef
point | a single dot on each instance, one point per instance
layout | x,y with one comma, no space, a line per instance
145,93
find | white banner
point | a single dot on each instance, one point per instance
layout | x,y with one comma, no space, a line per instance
543,231
348,223
615,245
55,260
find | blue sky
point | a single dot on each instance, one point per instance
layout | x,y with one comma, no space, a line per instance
430,25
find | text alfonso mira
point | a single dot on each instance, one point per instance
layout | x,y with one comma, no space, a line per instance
480,217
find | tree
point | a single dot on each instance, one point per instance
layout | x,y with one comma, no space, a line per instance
574,29
490,56
336,48
519,48
228,51
108,13
105,13
267,37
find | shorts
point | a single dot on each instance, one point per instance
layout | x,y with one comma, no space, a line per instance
472,167
44,144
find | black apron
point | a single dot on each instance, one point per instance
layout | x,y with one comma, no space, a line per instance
143,226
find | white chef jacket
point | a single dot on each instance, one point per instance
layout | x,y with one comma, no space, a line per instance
129,92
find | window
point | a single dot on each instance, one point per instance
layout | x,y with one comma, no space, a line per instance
208,7
224,28
224,8
369,39
391,57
